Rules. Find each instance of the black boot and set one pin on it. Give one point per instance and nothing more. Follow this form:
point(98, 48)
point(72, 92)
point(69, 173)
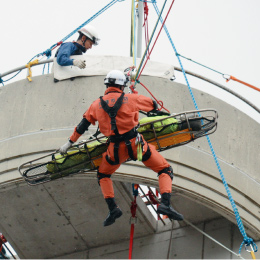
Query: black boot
point(166, 209)
point(114, 212)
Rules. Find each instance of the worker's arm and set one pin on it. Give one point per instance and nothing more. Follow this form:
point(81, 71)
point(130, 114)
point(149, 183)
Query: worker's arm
point(64, 53)
point(146, 104)
point(150, 106)
point(78, 131)
point(156, 112)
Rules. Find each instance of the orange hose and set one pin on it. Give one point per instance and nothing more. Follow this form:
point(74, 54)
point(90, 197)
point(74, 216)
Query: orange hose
point(240, 81)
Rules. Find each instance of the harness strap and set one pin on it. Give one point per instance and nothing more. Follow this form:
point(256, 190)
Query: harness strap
point(126, 136)
point(116, 148)
point(147, 155)
point(117, 140)
point(112, 111)
point(130, 150)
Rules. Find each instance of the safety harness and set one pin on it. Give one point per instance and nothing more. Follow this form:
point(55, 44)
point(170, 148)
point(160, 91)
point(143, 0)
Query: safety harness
point(117, 138)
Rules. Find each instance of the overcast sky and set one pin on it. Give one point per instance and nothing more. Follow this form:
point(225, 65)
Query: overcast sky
point(221, 34)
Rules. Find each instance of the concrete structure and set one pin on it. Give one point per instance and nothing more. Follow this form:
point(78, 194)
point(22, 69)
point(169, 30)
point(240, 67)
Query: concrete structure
point(63, 218)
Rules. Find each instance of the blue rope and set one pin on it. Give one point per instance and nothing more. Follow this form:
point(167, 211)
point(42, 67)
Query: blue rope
point(1, 81)
point(47, 53)
point(247, 241)
point(11, 77)
point(147, 47)
point(145, 1)
point(18, 71)
point(48, 67)
point(82, 25)
point(200, 64)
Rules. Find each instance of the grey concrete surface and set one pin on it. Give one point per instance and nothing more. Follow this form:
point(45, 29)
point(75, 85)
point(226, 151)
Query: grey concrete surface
point(64, 217)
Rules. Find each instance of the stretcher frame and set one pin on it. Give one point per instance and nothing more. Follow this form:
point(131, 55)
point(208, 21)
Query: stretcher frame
point(32, 174)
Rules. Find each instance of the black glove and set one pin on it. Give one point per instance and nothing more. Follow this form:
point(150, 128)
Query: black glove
point(157, 113)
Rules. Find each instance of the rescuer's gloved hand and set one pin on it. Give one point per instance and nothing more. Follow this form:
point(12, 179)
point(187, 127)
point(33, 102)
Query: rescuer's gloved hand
point(64, 148)
point(79, 63)
point(157, 113)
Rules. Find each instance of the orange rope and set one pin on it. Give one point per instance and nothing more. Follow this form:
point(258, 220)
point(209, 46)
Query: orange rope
point(240, 81)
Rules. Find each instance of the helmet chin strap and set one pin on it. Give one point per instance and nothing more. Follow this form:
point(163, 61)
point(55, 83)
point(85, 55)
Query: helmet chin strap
point(83, 42)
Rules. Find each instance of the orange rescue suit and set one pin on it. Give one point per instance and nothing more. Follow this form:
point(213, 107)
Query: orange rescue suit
point(127, 118)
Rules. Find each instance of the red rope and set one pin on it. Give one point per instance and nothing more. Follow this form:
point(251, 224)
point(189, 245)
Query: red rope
point(156, 39)
point(132, 87)
point(133, 212)
point(145, 25)
point(152, 198)
point(157, 194)
point(131, 240)
point(2, 241)
point(58, 43)
point(159, 102)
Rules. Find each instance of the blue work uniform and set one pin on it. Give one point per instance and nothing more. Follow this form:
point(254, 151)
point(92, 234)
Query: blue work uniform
point(66, 50)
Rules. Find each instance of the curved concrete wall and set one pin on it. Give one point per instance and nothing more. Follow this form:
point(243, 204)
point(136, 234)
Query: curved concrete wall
point(39, 116)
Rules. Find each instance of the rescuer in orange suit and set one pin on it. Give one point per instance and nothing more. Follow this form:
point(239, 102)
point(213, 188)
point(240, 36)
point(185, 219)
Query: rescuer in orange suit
point(117, 114)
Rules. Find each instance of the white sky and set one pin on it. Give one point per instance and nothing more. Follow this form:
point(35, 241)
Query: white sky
point(221, 34)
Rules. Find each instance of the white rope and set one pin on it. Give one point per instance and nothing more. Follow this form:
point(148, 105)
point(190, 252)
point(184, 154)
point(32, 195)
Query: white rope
point(214, 240)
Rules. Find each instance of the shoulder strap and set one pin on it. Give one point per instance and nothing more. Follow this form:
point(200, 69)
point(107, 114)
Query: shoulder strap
point(112, 111)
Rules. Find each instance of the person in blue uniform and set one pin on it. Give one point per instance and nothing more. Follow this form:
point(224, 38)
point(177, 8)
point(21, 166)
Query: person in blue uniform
point(88, 37)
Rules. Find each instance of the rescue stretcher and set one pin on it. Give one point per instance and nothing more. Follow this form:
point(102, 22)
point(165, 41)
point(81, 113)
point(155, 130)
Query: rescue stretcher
point(164, 132)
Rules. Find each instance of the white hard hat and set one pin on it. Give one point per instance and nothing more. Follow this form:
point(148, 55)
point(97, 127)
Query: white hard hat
point(115, 77)
point(91, 33)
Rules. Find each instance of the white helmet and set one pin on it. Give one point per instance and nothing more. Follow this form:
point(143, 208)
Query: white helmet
point(91, 33)
point(115, 77)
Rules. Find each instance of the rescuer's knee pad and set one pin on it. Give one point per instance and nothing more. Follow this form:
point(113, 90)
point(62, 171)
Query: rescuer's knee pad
point(101, 176)
point(167, 170)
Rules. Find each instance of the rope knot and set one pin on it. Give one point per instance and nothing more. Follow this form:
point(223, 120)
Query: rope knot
point(146, 11)
point(132, 87)
point(248, 241)
point(47, 53)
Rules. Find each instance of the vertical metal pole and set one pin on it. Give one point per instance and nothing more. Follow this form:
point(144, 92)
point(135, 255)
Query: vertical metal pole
point(131, 31)
point(140, 17)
